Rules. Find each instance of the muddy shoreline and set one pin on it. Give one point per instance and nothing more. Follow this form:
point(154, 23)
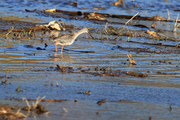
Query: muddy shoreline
point(93, 74)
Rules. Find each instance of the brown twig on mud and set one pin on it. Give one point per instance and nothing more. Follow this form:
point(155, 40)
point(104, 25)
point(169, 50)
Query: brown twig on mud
point(128, 22)
point(176, 23)
point(131, 59)
point(12, 28)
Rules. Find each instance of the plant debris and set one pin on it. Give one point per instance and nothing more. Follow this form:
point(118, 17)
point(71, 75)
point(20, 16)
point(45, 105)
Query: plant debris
point(35, 106)
point(9, 114)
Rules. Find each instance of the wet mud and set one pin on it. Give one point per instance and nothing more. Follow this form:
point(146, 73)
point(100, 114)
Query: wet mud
point(130, 70)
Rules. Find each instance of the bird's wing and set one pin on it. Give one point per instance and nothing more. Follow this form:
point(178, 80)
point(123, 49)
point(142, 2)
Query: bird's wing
point(63, 39)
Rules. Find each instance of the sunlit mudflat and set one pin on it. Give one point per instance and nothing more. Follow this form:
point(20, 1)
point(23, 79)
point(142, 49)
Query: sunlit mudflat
point(155, 96)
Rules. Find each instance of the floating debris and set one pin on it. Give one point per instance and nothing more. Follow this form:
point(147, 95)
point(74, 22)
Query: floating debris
point(55, 25)
point(153, 26)
point(101, 101)
point(93, 16)
point(118, 2)
point(152, 33)
point(136, 74)
point(75, 4)
point(75, 100)
point(141, 26)
point(158, 18)
point(19, 89)
point(30, 10)
point(50, 10)
point(86, 93)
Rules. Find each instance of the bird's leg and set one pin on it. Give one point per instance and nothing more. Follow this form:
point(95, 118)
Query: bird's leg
point(55, 49)
point(55, 54)
point(62, 50)
point(56, 46)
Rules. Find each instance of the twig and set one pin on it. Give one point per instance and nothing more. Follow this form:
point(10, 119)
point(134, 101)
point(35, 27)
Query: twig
point(65, 110)
point(29, 34)
point(106, 28)
point(176, 23)
point(29, 106)
point(98, 10)
point(6, 75)
point(57, 84)
point(38, 100)
point(131, 18)
point(168, 14)
point(98, 112)
point(12, 28)
point(162, 34)
point(35, 104)
point(131, 59)
point(5, 78)
point(20, 114)
point(129, 21)
point(18, 104)
point(46, 113)
point(48, 103)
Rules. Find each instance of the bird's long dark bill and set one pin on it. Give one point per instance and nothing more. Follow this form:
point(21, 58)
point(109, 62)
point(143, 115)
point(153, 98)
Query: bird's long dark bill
point(91, 35)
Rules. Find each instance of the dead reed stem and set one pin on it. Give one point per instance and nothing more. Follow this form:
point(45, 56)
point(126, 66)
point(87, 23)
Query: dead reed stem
point(176, 23)
point(48, 103)
point(6, 75)
point(105, 28)
point(168, 14)
point(37, 101)
point(65, 110)
point(12, 28)
point(29, 106)
point(128, 21)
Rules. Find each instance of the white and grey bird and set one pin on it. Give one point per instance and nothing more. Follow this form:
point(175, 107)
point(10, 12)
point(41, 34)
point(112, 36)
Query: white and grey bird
point(68, 39)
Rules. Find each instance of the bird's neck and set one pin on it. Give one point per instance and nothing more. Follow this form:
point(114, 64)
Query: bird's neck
point(78, 33)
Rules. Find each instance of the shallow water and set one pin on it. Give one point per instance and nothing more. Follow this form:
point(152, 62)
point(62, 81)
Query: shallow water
point(30, 69)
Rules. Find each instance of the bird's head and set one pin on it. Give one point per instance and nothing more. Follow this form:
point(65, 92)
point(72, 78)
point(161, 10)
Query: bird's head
point(87, 31)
